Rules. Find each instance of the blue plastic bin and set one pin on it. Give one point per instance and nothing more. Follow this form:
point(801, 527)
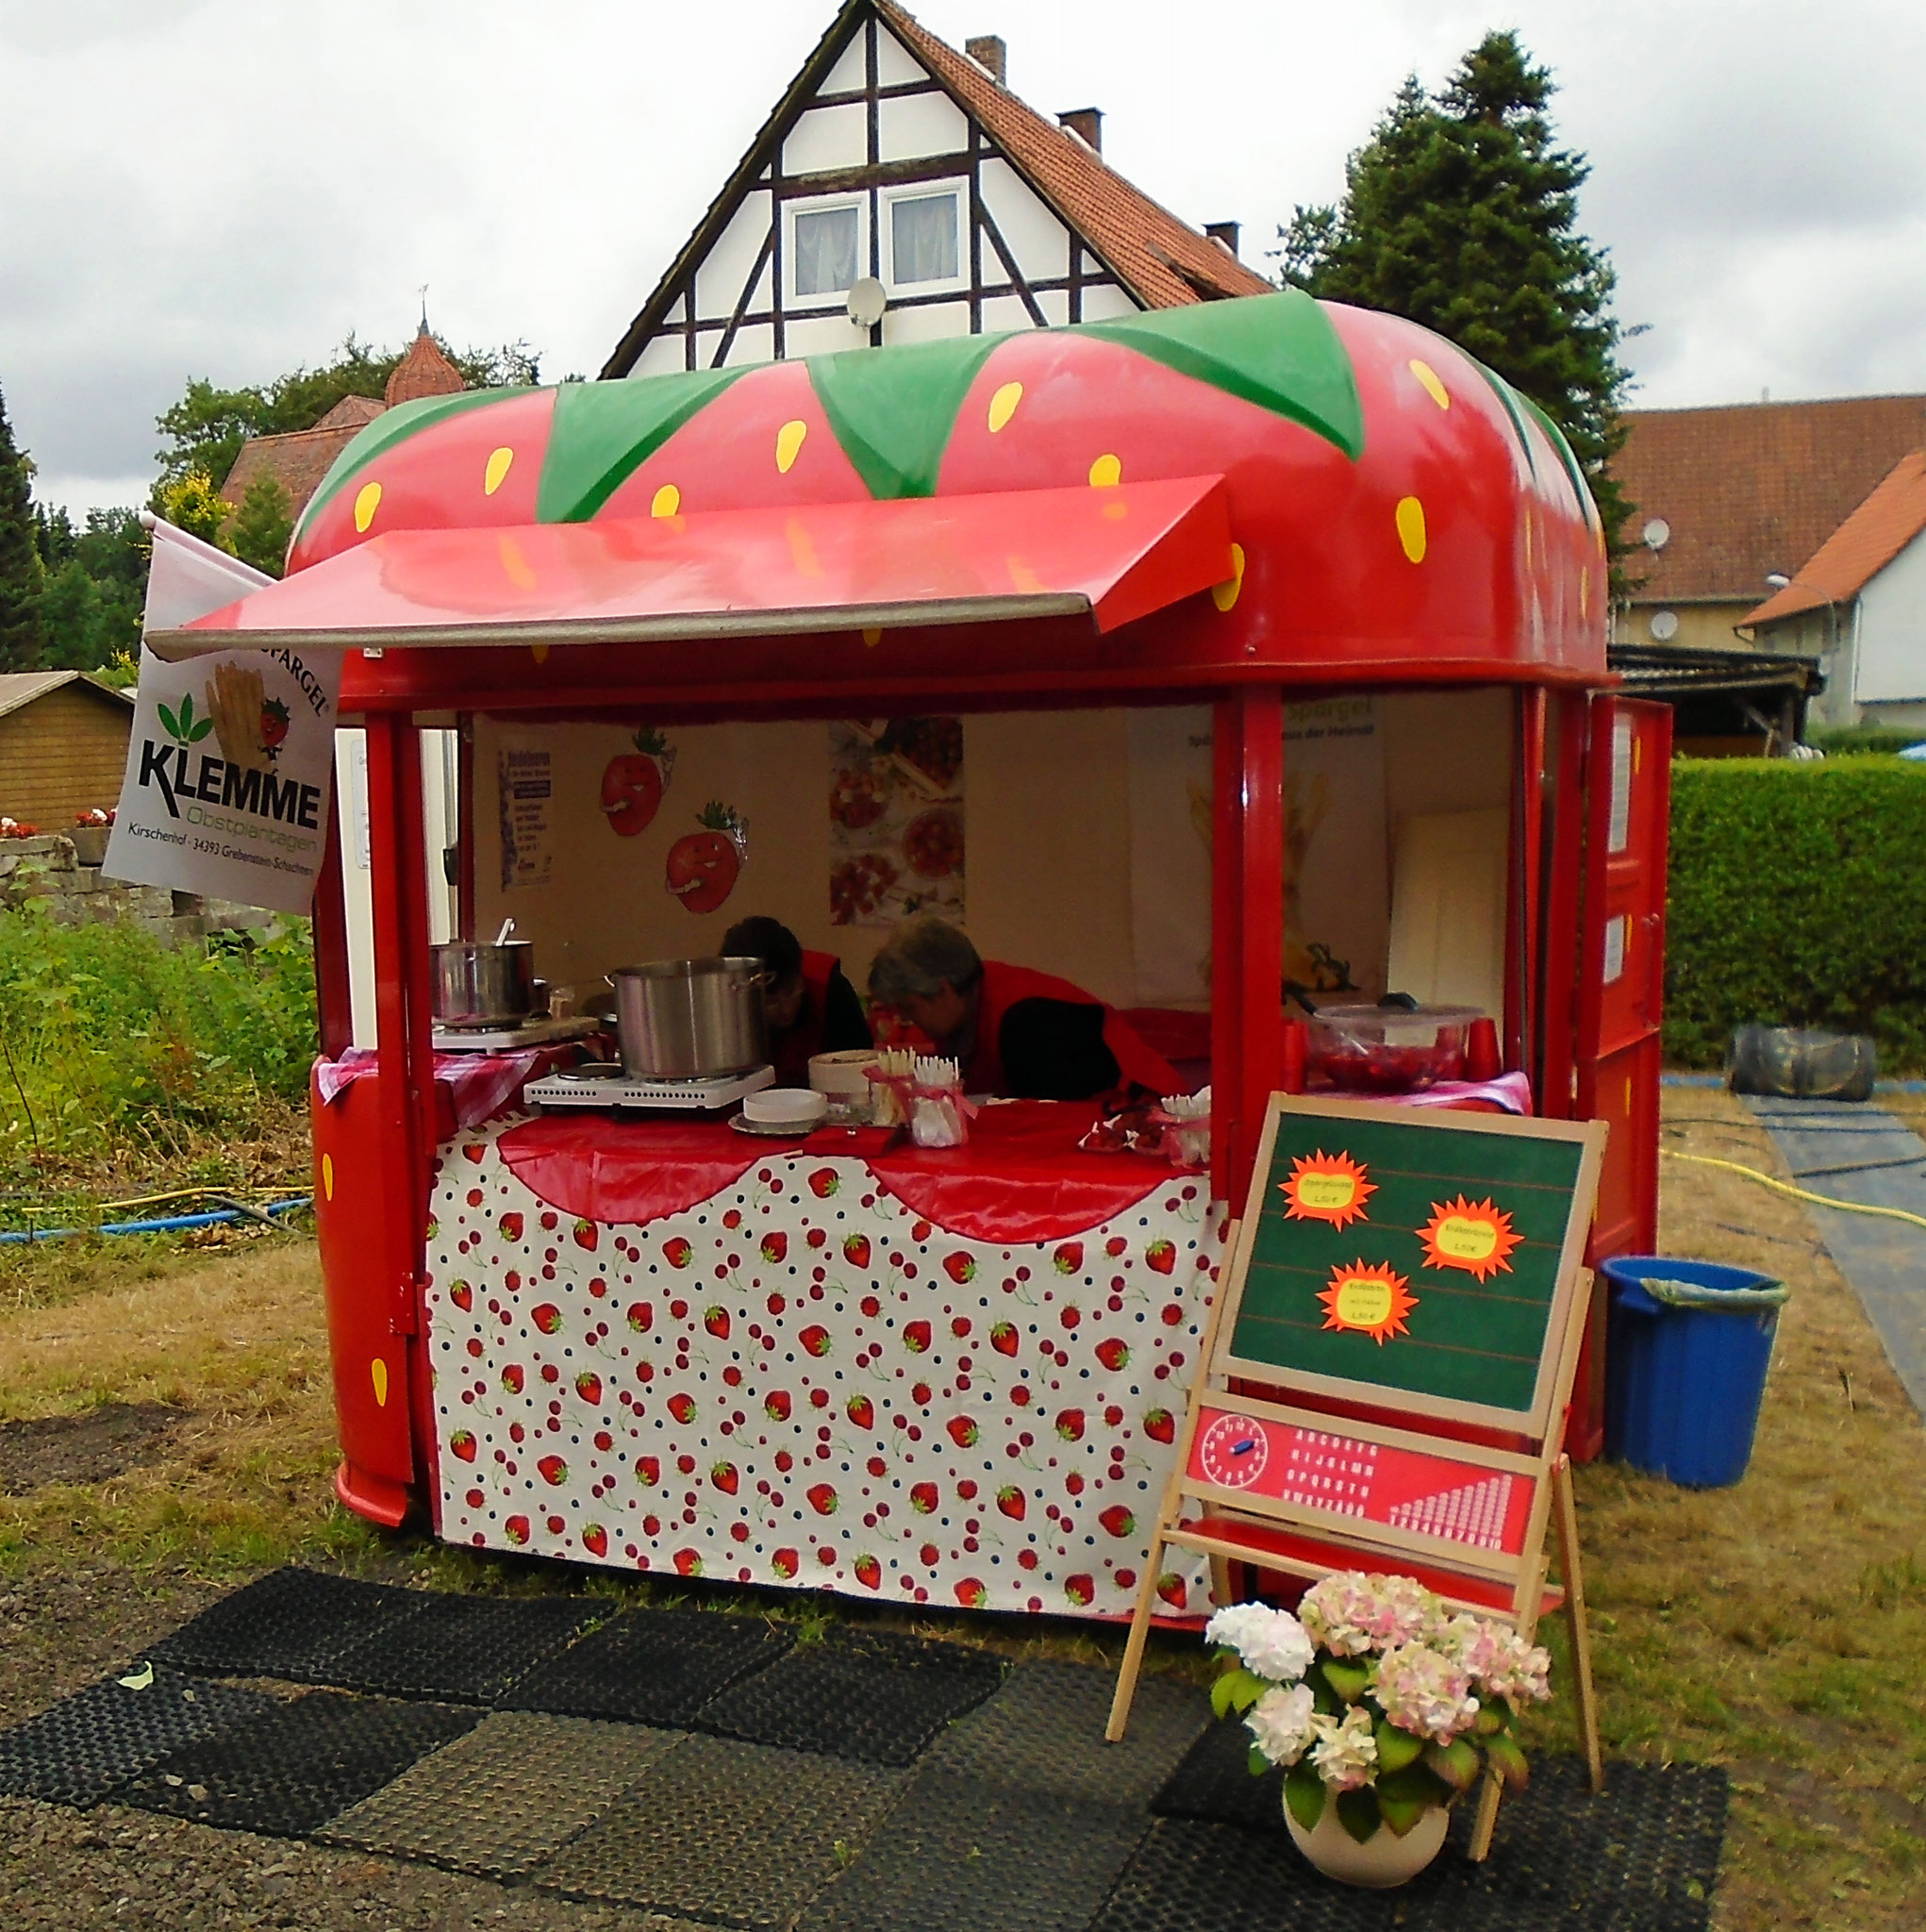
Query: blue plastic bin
point(1684, 1385)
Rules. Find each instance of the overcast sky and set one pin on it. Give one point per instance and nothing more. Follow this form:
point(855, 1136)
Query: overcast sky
point(225, 188)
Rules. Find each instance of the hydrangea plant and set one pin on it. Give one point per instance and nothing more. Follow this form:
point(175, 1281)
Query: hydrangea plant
point(1375, 1697)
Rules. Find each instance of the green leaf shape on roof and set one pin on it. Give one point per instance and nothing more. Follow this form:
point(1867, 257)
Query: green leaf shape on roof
point(392, 426)
point(1280, 352)
point(1556, 435)
point(892, 412)
point(603, 431)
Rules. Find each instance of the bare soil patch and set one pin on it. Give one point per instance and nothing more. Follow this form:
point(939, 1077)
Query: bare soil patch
point(94, 1447)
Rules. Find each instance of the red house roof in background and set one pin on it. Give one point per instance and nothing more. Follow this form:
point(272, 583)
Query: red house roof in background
point(1164, 261)
point(424, 371)
point(1860, 548)
point(1752, 488)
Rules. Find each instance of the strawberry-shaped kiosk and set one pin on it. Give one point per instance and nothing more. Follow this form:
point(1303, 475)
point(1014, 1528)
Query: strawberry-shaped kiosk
point(1115, 571)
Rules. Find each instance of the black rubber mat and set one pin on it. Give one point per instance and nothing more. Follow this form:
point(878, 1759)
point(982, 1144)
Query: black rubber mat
point(466, 1649)
point(1043, 1732)
point(961, 1856)
point(81, 1749)
point(289, 1770)
point(289, 1624)
point(732, 1834)
point(506, 1796)
point(1641, 1857)
point(651, 1667)
point(1214, 1783)
point(865, 1694)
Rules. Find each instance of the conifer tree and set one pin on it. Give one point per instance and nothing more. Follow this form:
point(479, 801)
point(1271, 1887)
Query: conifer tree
point(1460, 213)
point(262, 526)
point(20, 562)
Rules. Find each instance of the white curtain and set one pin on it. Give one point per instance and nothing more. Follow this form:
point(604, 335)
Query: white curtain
point(923, 239)
point(825, 244)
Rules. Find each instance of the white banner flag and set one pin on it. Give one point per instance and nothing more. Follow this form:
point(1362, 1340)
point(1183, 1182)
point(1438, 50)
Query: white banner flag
point(230, 766)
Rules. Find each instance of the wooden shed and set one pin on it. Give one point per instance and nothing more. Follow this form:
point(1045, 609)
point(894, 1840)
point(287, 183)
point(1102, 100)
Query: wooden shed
point(63, 746)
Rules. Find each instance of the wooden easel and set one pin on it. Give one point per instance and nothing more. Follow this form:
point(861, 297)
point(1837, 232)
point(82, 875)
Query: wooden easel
point(1326, 1462)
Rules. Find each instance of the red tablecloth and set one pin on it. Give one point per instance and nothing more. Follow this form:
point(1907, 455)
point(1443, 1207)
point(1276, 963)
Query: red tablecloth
point(1021, 1178)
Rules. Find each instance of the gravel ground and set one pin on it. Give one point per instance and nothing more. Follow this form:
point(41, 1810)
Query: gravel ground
point(61, 1631)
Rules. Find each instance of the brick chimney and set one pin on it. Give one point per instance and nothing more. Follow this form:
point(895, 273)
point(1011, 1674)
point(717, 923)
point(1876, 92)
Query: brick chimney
point(1087, 123)
point(1225, 234)
point(990, 53)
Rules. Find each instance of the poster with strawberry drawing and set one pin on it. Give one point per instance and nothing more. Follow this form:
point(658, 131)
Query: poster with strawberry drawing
point(895, 820)
point(801, 1380)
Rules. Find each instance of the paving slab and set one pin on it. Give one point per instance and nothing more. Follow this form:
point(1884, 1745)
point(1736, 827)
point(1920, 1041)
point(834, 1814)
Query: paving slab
point(506, 1797)
point(734, 1834)
point(287, 1624)
point(1884, 1259)
point(462, 1649)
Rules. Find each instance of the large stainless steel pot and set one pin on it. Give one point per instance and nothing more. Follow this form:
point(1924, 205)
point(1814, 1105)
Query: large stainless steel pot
point(691, 1019)
point(482, 984)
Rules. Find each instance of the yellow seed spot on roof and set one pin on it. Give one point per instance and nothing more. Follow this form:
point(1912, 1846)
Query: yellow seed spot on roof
point(377, 1374)
point(789, 441)
point(1105, 473)
point(666, 501)
point(1584, 591)
point(1003, 406)
point(1411, 528)
point(1224, 596)
point(873, 638)
point(540, 653)
point(327, 1176)
point(498, 468)
point(366, 504)
point(1433, 387)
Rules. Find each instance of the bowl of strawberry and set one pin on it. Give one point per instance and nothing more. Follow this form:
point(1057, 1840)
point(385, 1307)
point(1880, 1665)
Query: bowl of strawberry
point(1397, 1047)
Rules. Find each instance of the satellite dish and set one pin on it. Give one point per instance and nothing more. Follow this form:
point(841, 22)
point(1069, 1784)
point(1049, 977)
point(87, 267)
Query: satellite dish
point(867, 302)
point(1656, 534)
point(1665, 625)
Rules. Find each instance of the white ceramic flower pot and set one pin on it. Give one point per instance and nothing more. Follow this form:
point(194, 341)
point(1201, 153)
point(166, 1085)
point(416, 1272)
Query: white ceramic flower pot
point(1383, 1860)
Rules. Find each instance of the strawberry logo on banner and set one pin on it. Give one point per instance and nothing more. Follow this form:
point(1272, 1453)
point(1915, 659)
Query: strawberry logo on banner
point(230, 766)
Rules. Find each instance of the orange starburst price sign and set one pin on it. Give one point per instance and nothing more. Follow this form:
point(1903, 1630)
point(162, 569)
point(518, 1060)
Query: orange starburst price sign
point(1477, 1236)
point(1368, 1298)
point(1326, 1186)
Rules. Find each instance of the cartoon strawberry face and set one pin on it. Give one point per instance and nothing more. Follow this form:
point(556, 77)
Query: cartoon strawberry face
point(462, 1445)
point(632, 785)
point(856, 1250)
point(702, 867)
point(869, 1572)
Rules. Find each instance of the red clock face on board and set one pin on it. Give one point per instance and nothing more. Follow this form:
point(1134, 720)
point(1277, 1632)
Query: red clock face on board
point(1233, 1450)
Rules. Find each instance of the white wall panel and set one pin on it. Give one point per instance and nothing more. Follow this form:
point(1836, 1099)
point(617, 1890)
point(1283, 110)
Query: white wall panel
point(821, 335)
point(755, 343)
point(1102, 305)
point(719, 279)
point(1038, 241)
point(919, 124)
point(662, 356)
point(896, 66)
point(846, 76)
point(940, 319)
point(1003, 315)
point(1892, 630)
point(828, 137)
point(1054, 304)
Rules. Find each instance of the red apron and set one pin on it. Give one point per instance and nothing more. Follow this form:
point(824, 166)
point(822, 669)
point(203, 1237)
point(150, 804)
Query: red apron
point(1003, 986)
point(792, 1053)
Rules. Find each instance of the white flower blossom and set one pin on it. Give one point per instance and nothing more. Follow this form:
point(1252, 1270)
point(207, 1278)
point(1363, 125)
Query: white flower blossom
point(1280, 1721)
point(1346, 1752)
point(1271, 1643)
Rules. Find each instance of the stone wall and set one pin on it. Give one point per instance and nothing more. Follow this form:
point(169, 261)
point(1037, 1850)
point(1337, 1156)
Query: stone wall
point(47, 871)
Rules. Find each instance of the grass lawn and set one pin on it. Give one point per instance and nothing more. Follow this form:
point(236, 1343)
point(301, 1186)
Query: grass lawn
point(1778, 1627)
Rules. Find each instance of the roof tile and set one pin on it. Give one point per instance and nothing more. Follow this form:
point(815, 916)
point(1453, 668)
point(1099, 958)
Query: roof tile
point(1860, 548)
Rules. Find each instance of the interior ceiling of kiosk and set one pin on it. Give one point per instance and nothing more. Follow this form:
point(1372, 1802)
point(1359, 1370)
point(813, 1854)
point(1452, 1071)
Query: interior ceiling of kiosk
point(1111, 554)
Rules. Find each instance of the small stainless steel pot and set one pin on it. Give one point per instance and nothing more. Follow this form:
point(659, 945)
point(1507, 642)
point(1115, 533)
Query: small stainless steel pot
point(482, 984)
point(691, 1019)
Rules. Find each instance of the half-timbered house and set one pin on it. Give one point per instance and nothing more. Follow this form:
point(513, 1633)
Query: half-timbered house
point(901, 191)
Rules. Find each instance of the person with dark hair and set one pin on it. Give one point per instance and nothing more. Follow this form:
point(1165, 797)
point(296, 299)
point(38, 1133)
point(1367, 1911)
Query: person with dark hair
point(1023, 1035)
point(811, 1006)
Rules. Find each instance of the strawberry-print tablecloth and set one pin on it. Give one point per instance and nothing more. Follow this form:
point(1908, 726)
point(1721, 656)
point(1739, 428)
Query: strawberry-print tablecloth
point(800, 1380)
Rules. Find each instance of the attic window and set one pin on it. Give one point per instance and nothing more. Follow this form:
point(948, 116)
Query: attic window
point(825, 241)
point(923, 246)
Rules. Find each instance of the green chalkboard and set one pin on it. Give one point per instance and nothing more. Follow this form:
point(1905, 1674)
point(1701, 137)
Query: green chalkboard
point(1425, 1259)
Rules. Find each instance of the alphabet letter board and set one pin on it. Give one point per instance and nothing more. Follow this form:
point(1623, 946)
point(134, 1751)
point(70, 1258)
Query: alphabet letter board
point(1413, 1257)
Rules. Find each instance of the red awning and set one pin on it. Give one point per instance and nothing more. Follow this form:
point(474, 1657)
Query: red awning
point(1109, 554)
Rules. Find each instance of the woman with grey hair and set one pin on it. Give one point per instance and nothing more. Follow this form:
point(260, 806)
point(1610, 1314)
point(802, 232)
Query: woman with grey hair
point(1024, 1035)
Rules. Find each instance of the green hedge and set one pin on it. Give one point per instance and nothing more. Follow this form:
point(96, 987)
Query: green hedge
point(1798, 897)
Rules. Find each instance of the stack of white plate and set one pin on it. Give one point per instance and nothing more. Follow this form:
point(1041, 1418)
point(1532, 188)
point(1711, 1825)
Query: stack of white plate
point(784, 1110)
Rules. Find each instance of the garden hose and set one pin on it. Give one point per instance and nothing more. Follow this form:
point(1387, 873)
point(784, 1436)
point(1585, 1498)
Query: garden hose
point(1779, 1187)
point(172, 1224)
